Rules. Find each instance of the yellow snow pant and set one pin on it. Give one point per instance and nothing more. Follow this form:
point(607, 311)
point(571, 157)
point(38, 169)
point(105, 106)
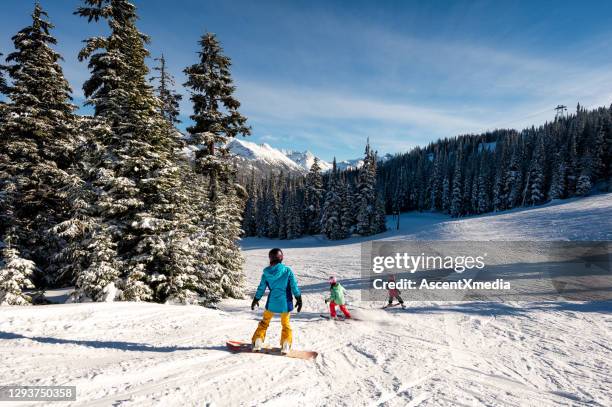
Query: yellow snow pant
point(260, 332)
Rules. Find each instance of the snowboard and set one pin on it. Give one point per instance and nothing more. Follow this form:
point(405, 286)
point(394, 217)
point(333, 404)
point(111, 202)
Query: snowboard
point(238, 346)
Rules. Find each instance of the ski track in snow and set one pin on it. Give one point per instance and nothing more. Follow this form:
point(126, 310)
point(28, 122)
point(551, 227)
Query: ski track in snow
point(431, 354)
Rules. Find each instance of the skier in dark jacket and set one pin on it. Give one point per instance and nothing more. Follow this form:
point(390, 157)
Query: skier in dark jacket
point(281, 282)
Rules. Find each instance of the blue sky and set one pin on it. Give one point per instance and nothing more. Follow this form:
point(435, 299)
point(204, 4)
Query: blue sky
point(325, 75)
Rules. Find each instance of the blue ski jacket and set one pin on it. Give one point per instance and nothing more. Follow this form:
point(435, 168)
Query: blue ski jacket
point(281, 282)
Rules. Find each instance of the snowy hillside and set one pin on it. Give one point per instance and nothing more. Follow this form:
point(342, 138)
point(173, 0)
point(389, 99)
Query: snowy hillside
point(432, 354)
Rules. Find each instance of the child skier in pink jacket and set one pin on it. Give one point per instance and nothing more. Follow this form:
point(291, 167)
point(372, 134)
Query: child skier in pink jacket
point(394, 293)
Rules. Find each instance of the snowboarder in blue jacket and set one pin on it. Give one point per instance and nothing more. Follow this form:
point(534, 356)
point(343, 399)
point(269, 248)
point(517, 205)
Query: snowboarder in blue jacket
point(281, 282)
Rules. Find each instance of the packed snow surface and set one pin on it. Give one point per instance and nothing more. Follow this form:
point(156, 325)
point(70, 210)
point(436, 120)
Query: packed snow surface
point(431, 354)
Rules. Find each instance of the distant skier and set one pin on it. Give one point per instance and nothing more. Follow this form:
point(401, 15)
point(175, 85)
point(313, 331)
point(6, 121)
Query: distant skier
point(394, 293)
point(337, 298)
point(281, 282)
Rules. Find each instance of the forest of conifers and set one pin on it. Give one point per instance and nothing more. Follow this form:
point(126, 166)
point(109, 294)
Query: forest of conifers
point(503, 169)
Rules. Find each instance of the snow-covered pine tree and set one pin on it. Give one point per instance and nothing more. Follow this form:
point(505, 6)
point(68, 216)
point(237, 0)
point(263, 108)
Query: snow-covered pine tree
point(37, 146)
point(584, 183)
point(313, 195)
point(272, 213)
point(216, 121)
point(446, 195)
point(499, 198)
point(331, 215)
point(98, 281)
point(557, 183)
point(572, 171)
point(514, 179)
point(456, 199)
point(474, 194)
point(534, 183)
point(260, 216)
point(598, 165)
point(168, 97)
point(368, 215)
point(379, 222)
point(347, 216)
point(216, 116)
point(435, 185)
point(283, 214)
point(249, 220)
point(15, 276)
point(142, 201)
point(224, 231)
point(484, 200)
point(294, 218)
point(3, 88)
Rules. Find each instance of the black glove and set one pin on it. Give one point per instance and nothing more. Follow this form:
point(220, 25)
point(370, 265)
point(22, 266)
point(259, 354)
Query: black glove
point(298, 303)
point(326, 300)
point(254, 303)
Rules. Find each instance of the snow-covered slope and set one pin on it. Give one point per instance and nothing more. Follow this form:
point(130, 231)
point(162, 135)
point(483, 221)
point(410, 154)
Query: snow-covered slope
point(262, 158)
point(432, 354)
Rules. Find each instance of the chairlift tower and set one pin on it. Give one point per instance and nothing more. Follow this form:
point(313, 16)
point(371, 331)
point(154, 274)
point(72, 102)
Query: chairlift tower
point(561, 111)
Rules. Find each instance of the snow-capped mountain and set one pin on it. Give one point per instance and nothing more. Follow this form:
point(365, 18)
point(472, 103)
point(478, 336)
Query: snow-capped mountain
point(262, 158)
point(349, 164)
point(305, 159)
point(265, 159)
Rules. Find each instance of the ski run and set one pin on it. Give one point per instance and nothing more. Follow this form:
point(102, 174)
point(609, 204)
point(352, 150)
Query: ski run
point(430, 354)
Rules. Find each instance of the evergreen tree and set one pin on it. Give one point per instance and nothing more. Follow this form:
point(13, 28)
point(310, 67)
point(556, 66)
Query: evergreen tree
point(584, 184)
point(294, 218)
point(216, 121)
point(446, 195)
point(499, 197)
point(534, 185)
point(168, 98)
point(3, 87)
point(37, 145)
point(249, 220)
point(436, 182)
point(272, 213)
point(216, 116)
point(514, 180)
point(313, 195)
point(15, 275)
point(484, 201)
point(368, 215)
point(331, 217)
point(262, 209)
point(141, 205)
point(456, 206)
point(598, 166)
point(224, 230)
point(571, 166)
point(347, 216)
